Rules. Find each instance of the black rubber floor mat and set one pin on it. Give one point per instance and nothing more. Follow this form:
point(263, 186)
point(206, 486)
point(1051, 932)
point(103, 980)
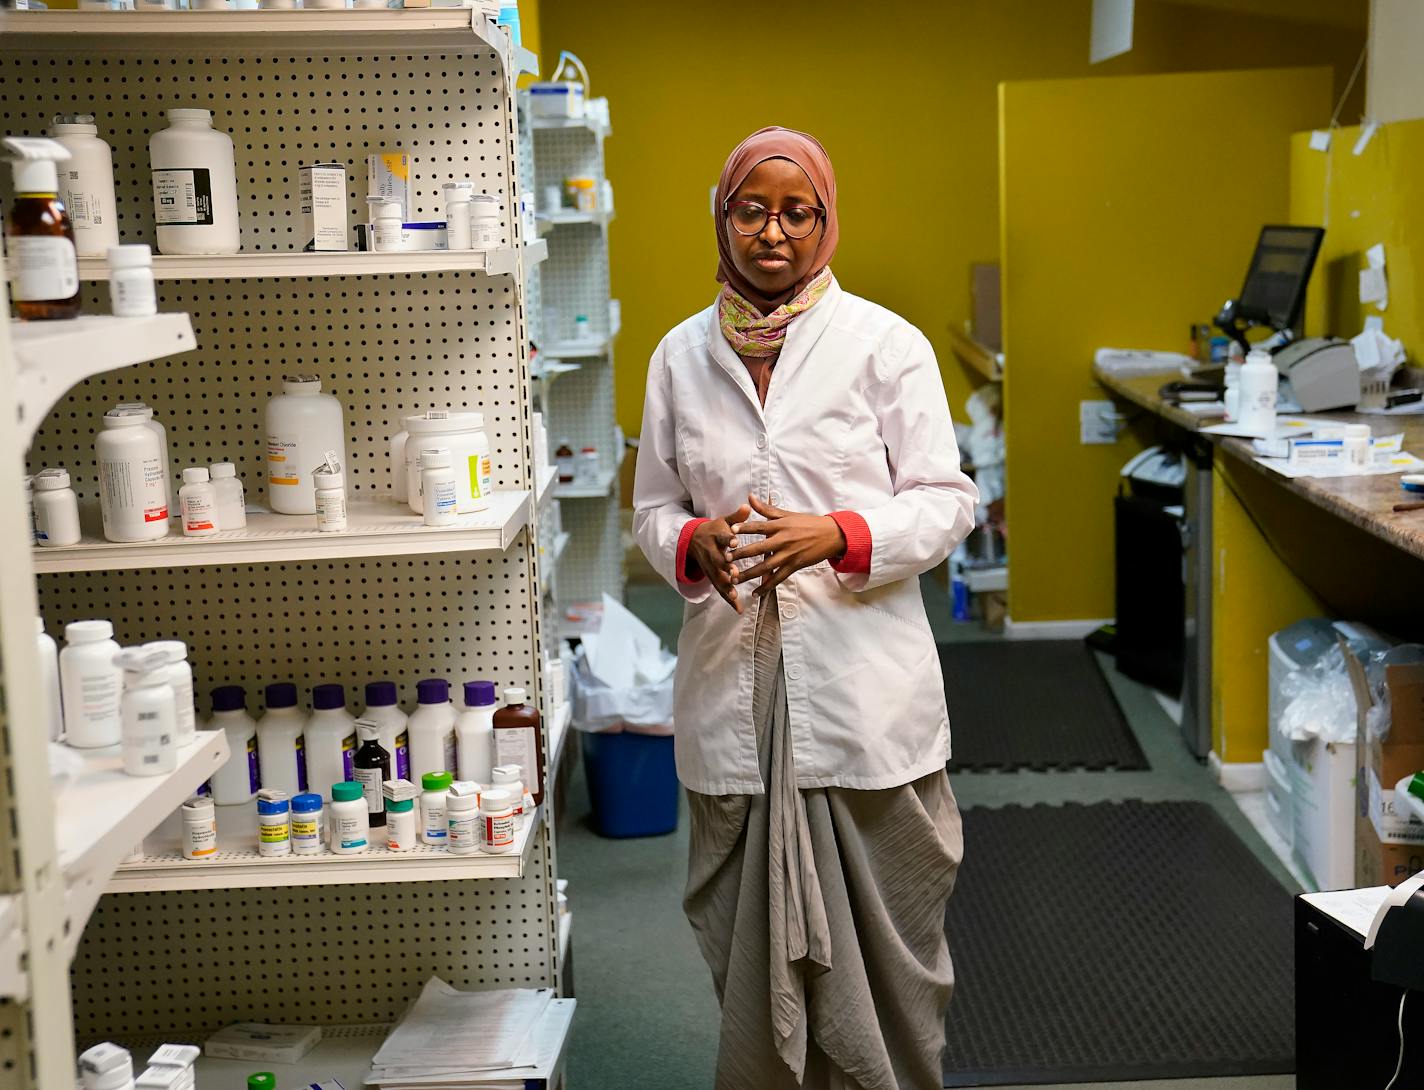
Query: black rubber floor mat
point(1035, 704)
point(1116, 941)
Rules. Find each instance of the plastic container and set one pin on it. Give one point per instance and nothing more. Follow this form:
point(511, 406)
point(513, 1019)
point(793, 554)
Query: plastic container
point(350, 826)
point(231, 497)
point(302, 425)
point(155, 425)
point(149, 746)
point(632, 783)
point(463, 435)
point(307, 838)
point(237, 781)
point(198, 503)
point(497, 822)
point(474, 731)
point(133, 478)
point(330, 496)
point(56, 509)
point(200, 828)
point(330, 740)
point(274, 824)
point(383, 707)
point(132, 292)
point(1257, 396)
point(400, 825)
point(457, 215)
point(86, 184)
point(49, 680)
point(281, 732)
point(180, 678)
point(484, 222)
point(508, 778)
point(1358, 439)
point(106, 1067)
point(519, 740)
point(439, 497)
point(434, 824)
point(92, 685)
point(581, 194)
point(194, 186)
point(462, 817)
point(1232, 396)
point(431, 730)
point(386, 224)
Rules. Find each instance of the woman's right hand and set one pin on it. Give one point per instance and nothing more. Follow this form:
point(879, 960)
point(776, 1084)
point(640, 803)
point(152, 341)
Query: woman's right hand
point(711, 549)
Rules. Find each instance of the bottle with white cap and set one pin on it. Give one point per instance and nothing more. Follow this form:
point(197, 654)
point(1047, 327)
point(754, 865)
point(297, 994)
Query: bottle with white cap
point(92, 685)
point(1257, 394)
point(49, 680)
point(194, 186)
point(56, 509)
point(133, 478)
point(155, 425)
point(132, 293)
point(302, 425)
point(198, 503)
point(149, 720)
point(180, 677)
point(1356, 447)
point(39, 236)
point(329, 483)
point(86, 184)
point(440, 498)
point(232, 500)
point(106, 1067)
point(457, 214)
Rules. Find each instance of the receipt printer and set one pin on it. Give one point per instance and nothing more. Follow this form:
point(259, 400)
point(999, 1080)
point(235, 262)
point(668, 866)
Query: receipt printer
point(1322, 373)
point(1397, 936)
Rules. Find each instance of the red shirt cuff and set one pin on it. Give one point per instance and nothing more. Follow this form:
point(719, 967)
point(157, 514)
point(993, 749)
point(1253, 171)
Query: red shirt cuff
point(688, 570)
point(856, 560)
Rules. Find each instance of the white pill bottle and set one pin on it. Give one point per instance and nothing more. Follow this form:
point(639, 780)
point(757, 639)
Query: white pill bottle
point(133, 480)
point(86, 184)
point(303, 424)
point(194, 186)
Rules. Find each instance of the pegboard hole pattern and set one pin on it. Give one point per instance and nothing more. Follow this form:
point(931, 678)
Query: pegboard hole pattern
point(447, 110)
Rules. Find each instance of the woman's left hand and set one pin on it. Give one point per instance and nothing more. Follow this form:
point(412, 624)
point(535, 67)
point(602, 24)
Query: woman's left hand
point(791, 541)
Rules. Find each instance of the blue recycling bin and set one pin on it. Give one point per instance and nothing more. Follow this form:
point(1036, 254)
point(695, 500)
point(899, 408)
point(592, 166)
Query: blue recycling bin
point(632, 782)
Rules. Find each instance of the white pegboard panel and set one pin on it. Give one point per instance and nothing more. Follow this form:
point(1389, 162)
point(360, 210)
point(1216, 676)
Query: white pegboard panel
point(533, 276)
point(566, 153)
point(581, 408)
point(16, 1070)
point(192, 962)
point(592, 564)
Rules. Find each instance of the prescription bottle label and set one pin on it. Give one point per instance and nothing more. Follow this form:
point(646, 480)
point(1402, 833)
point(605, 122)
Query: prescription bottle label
point(306, 834)
point(274, 833)
point(183, 198)
point(480, 486)
point(46, 268)
point(498, 832)
point(281, 469)
point(348, 757)
point(202, 839)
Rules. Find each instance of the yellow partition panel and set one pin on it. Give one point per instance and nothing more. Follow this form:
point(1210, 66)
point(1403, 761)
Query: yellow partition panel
point(1128, 209)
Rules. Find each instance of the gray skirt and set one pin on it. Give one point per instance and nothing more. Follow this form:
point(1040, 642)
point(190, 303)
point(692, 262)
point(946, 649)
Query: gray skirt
point(821, 916)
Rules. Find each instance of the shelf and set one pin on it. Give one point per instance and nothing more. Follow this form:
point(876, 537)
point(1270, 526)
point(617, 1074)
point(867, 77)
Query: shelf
point(238, 866)
point(377, 528)
point(546, 124)
point(276, 264)
point(546, 484)
point(566, 931)
point(559, 735)
point(549, 220)
point(54, 357)
point(552, 369)
point(526, 61)
point(577, 350)
point(104, 813)
point(282, 32)
point(978, 357)
point(551, 560)
point(577, 491)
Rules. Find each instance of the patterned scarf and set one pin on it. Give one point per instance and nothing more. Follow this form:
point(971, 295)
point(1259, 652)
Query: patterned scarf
point(761, 336)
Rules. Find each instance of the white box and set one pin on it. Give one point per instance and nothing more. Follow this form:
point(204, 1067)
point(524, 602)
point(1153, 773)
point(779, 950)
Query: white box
point(1323, 790)
point(563, 100)
point(262, 1043)
point(388, 175)
point(323, 195)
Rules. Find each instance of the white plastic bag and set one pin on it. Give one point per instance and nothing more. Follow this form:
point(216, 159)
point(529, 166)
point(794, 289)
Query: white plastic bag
point(623, 677)
point(1319, 701)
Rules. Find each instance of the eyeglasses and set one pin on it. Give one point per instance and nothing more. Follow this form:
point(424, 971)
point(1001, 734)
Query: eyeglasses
point(750, 218)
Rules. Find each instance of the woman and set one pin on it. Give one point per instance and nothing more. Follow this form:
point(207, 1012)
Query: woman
point(796, 439)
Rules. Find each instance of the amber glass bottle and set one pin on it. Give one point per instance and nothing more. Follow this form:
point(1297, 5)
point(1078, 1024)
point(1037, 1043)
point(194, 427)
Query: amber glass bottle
point(40, 240)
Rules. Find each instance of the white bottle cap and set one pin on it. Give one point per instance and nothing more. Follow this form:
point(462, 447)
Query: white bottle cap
point(195, 475)
point(124, 418)
point(88, 631)
point(438, 458)
point(198, 808)
point(503, 774)
point(495, 802)
point(106, 1067)
point(368, 730)
point(462, 795)
point(1352, 431)
point(133, 255)
point(142, 666)
point(72, 123)
point(324, 479)
point(140, 407)
point(173, 650)
point(514, 696)
point(36, 176)
point(48, 480)
point(189, 114)
point(219, 471)
point(301, 384)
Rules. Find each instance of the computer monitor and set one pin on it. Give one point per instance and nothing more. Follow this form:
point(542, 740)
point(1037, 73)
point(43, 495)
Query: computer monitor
point(1274, 292)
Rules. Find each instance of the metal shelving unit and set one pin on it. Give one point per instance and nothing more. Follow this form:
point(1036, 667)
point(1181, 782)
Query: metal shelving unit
point(390, 334)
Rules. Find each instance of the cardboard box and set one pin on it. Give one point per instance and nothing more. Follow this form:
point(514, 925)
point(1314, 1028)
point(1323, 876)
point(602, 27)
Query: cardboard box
point(323, 197)
point(984, 304)
point(388, 175)
point(1388, 849)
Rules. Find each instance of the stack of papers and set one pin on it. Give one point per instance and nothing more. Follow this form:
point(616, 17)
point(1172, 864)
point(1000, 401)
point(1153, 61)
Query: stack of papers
point(488, 1040)
point(1136, 361)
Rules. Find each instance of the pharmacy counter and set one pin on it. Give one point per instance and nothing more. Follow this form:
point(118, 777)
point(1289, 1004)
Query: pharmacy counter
point(1364, 502)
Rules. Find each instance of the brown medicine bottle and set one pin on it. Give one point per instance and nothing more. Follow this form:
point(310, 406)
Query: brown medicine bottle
point(40, 238)
point(518, 740)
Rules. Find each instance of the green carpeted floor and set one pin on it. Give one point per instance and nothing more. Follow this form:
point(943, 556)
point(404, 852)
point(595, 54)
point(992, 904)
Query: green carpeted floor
point(647, 1018)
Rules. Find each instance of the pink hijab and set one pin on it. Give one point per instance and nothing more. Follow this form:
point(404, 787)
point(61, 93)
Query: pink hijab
point(806, 152)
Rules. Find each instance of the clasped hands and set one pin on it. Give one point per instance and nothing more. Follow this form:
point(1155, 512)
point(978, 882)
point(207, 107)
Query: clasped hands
point(789, 542)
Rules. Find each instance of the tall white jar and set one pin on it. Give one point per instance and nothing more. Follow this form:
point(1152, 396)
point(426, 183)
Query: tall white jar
point(133, 481)
point(194, 186)
point(156, 426)
point(92, 685)
point(302, 425)
point(464, 436)
point(86, 184)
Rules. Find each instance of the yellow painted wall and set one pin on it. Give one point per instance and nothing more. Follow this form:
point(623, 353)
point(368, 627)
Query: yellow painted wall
point(1122, 223)
point(903, 93)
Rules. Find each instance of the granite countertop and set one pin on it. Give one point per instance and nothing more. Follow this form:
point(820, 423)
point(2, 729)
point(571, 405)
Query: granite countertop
point(1365, 502)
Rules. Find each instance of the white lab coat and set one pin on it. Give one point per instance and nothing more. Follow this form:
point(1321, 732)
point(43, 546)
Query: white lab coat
point(855, 419)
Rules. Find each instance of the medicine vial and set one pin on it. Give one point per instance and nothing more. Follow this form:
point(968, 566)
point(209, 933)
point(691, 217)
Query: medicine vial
point(1256, 395)
point(519, 740)
point(330, 485)
point(200, 828)
point(180, 678)
point(132, 293)
point(106, 1067)
point(133, 478)
point(129, 408)
point(194, 186)
point(400, 824)
point(434, 822)
point(350, 819)
point(1356, 447)
point(149, 721)
point(431, 729)
point(92, 685)
point(372, 765)
point(586, 471)
point(303, 424)
point(39, 236)
point(440, 496)
point(198, 504)
point(231, 498)
point(564, 458)
point(307, 838)
point(330, 740)
point(237, 781)
point(387, 228)
point(457, 215)
point(484, 222)
point(474, 731)
point(56, 509)
point(382, 707)
point(281, 757)
point(496, 822)
point(462, 816)
point(49, 680)
point(274, 824)
point(507, 778)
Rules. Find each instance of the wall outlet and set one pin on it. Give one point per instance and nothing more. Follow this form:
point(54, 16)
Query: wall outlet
point(1098, 423)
